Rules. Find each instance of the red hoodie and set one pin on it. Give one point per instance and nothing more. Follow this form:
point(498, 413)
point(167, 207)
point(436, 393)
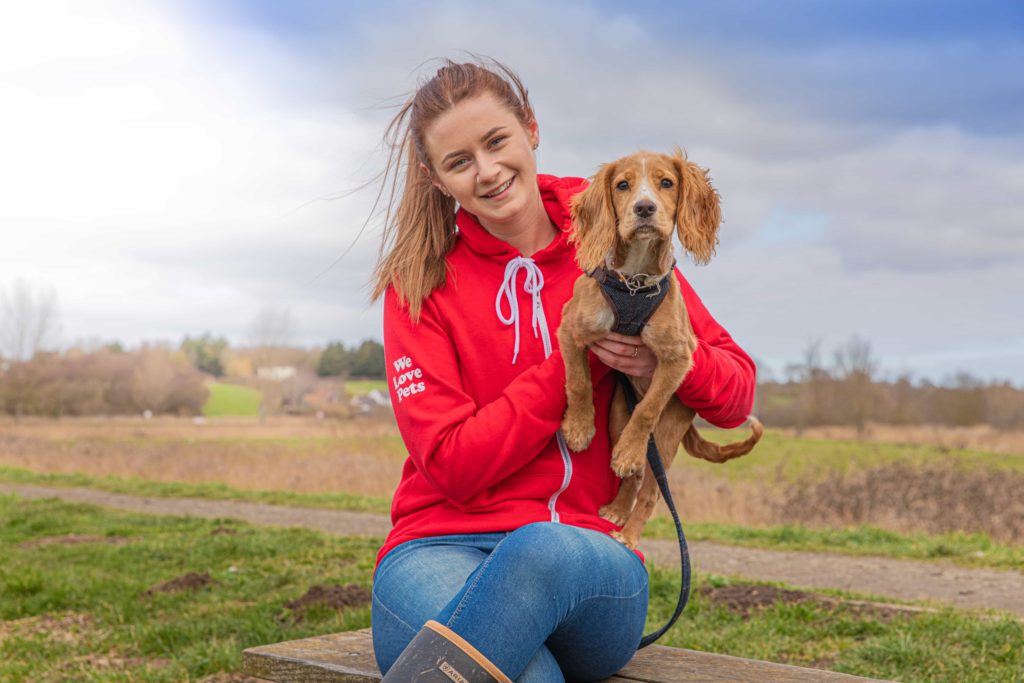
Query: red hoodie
point(480, 428)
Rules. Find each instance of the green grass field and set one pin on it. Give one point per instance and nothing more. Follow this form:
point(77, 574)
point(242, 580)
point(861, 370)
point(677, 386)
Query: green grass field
point(100, 608)
point(787, 458)
point(231, 400)
point(359, 387)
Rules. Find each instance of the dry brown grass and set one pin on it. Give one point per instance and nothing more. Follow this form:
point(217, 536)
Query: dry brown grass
point(978, 437)
point(365, 457)
point(936, 498)
point(303, 455)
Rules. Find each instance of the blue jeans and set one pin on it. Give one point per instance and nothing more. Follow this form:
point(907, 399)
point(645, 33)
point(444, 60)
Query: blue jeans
point(546, 603)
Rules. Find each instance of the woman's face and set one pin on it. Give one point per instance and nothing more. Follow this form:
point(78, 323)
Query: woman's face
point(483, 156)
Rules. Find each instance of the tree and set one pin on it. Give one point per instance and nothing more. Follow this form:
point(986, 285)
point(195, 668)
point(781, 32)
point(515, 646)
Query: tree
point(28, 320)
point(812, 378)
point(368, 360)
point(271, 330)
point(205, 353)
point(335, 360)
point(856, 368)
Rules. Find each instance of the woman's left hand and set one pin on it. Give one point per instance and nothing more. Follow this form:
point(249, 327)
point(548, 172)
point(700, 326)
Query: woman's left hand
point(625, 354)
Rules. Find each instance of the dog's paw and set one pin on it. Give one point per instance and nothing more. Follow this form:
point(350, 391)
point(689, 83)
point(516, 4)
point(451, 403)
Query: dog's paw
point(614, 514)
point(578, 431)
point(621, 538)
point(628, 458)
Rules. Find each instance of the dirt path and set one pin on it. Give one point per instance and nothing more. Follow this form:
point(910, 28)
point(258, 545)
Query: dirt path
point(942, 582)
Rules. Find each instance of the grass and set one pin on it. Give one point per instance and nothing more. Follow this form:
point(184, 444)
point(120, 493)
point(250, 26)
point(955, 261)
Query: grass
point(144, 487)
point(359, 387)
point(80, 611)
point(102, 626)
point(788, 458)
point(231, 400)
point(972, 550)
point(934, 647)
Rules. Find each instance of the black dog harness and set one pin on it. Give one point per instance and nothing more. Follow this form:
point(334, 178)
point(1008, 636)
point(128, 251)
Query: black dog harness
point(630, 310)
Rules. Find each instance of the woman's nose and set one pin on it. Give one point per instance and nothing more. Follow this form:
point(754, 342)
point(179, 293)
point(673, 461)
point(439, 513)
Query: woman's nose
point(486, 170)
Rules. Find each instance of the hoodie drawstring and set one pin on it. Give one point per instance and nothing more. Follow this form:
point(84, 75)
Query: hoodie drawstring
point(532, 285)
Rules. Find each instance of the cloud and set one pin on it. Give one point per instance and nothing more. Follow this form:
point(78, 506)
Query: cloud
point(164, 163)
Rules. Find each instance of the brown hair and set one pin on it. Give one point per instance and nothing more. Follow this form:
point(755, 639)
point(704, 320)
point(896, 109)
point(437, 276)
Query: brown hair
point(419, 224)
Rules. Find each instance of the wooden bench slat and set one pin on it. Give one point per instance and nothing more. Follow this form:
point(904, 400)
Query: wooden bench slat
point(348, 658)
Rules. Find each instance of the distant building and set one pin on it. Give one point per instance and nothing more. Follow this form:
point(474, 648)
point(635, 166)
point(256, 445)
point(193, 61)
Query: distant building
point(374, 399)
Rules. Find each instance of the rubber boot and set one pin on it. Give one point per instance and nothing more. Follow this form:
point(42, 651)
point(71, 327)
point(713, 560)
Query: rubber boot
point(439, 655)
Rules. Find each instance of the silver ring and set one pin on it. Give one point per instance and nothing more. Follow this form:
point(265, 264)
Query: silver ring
point(636, 351)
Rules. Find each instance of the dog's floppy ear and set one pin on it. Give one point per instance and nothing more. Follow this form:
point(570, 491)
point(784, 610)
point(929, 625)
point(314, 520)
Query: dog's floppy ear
point(698, 211)
point(594, 221)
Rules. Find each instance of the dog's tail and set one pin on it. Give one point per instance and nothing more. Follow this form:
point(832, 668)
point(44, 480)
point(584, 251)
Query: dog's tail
point(698, 447)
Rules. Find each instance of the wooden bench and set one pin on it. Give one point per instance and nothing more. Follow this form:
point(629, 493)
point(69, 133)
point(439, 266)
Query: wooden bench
point(348, 658)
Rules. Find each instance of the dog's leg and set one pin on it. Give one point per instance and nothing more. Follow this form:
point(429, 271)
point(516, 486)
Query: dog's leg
point(630, 452)
point(578, 423)
point(585, 319)
point(648, 497)
point(619, 510)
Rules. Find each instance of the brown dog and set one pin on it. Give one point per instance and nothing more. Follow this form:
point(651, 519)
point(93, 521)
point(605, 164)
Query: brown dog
point(623, 224)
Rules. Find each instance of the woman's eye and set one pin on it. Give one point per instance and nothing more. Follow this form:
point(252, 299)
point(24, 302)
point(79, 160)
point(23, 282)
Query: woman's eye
point(498, 140)
point(666, 183)
point(457, 163)
point(623, 185)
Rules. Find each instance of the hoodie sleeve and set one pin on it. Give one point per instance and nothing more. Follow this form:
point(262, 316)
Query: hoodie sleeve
point(720, 387)
point(460, 447)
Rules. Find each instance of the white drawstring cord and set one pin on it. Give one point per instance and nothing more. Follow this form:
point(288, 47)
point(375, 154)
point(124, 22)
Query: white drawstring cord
point(532, 285)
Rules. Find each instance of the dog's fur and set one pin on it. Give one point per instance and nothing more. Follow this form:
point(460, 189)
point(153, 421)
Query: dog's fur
point(614, 225)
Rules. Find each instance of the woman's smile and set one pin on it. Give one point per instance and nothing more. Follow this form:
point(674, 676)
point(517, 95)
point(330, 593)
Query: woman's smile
point(501, 191)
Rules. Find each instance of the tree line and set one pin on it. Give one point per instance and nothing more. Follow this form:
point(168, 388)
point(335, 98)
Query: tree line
point(849, 392)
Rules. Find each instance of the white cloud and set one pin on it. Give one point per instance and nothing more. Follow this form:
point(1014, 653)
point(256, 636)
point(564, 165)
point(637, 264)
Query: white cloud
point(153, 163)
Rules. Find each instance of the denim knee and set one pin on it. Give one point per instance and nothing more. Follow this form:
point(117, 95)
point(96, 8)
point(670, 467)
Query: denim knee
point(556, 554)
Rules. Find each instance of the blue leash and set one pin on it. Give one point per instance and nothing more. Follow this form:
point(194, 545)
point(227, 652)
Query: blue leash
point(654, 460)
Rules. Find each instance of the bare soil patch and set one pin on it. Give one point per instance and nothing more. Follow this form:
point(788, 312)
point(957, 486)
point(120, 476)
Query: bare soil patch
point(743, 599)
point(66, 629)
point(333, 597)
point(73, 539)
point(230, 677)
point(191, 581)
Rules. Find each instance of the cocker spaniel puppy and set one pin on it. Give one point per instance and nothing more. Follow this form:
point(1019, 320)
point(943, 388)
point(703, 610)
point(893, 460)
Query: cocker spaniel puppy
point(623, 224)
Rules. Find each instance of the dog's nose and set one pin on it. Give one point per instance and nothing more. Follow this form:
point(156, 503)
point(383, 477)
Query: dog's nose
point(645, 208)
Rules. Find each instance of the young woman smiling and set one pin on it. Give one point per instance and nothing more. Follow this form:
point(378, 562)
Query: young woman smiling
point(498, 566)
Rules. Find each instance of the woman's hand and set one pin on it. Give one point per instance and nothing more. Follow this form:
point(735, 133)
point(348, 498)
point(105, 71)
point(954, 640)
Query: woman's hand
point(625, 354)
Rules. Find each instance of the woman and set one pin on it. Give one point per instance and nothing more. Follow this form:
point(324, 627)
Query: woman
point(497, 551)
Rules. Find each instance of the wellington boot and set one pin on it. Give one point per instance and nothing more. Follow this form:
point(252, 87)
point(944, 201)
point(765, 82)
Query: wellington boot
point(439, 655)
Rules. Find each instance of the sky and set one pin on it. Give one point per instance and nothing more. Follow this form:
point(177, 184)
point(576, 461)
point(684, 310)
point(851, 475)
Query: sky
point(175, 168)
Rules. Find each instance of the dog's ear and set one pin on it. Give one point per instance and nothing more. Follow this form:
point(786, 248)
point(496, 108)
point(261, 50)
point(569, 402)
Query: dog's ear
point(594, 221)
point(698, 211)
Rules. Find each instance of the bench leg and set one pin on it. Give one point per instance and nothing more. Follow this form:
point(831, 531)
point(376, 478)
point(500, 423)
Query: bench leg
point(439, 655)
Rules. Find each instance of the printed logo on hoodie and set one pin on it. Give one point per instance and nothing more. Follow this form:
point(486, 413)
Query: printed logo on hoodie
point(406, 380)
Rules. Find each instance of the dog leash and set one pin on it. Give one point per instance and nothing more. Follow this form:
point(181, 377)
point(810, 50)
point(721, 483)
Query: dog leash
point(654, 460)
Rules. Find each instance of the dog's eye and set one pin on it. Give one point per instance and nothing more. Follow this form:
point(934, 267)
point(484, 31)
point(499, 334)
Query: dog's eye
point(623, 185)
point(666, 183)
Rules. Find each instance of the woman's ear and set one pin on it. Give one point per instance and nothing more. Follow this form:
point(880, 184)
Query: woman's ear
point(433, 181)
point(594, 220)
point(533, 133)
point(698, 210)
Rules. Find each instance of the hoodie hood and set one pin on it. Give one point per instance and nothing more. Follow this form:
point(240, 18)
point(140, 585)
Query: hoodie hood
point(555, 193)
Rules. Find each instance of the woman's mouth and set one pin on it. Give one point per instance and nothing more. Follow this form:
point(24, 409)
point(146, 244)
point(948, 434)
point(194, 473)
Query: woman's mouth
point(500, 190)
